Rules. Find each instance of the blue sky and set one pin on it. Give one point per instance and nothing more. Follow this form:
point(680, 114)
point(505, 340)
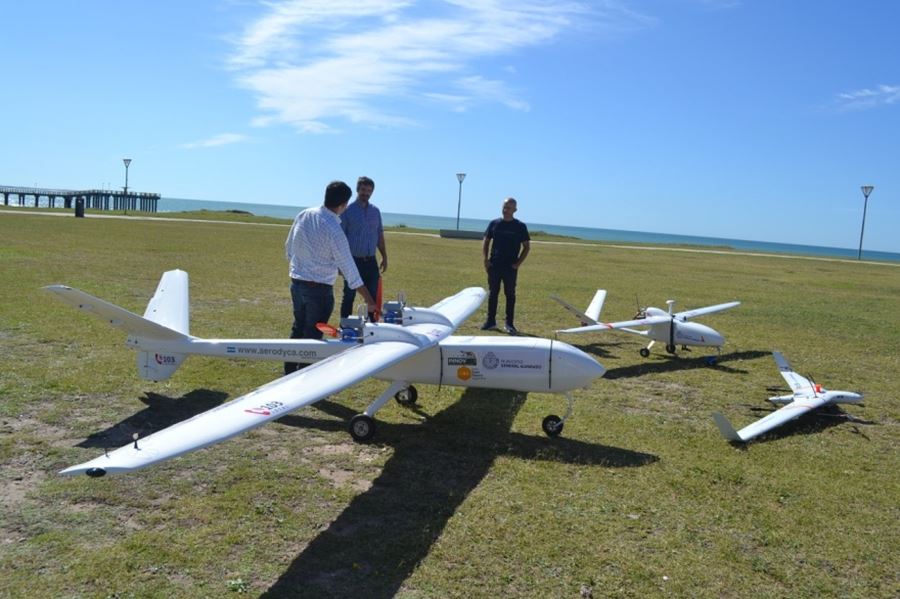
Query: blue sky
point(753, 119)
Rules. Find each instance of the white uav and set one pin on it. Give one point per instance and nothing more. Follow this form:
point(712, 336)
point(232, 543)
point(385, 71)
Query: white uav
point(805, 396)
point(664, 326)
point(416, 347)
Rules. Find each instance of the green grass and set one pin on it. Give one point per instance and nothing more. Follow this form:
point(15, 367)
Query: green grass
point(462, 496)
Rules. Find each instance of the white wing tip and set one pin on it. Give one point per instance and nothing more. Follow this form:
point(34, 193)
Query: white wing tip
point(93, 472)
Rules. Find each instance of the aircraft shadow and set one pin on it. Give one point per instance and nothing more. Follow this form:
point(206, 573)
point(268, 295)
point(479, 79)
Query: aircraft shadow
point(374, 545)
point(810, 423)
point(161, 412)
point(596, 348)
point(669, 363)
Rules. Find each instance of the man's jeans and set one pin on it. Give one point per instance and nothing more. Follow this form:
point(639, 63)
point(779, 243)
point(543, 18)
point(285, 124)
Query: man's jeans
point(507, 275)
point(368, 272)
point(313, 303)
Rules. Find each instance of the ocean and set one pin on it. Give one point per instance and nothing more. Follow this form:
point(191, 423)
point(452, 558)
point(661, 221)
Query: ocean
point(418, 221)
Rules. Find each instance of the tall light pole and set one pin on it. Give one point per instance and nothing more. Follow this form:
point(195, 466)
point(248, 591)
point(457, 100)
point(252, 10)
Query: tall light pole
point(127, 161)
point(459, 177)
point(866, 189)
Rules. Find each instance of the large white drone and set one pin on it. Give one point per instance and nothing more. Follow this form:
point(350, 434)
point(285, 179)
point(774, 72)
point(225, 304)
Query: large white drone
point(664, 326)
point(805, 396)
point(413, 345)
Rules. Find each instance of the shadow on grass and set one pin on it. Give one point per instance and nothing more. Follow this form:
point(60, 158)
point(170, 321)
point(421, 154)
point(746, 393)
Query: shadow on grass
point(669, 363)
point(811, 423)
point(161, 412)
point(598, 349)
point(380, 538)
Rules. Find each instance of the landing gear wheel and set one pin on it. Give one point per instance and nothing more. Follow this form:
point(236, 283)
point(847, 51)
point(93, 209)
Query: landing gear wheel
point(670, 348)
point(407, 397)
point(552, 425)
point(645, 353)
point(362, 428)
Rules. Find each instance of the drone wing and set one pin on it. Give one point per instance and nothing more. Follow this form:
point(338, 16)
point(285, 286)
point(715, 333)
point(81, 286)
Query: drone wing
point(799, 384)
point(625, 324)
point(793, 410)
point(459, 307)
point(269, 402)
point(688, 314)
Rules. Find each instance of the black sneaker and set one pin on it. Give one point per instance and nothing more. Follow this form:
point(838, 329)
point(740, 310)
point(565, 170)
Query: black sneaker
point(489, 326)
point(511, 329)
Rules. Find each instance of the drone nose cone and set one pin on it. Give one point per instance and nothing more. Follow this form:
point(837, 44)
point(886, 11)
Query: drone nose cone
point(703, 335)
point(572, 368)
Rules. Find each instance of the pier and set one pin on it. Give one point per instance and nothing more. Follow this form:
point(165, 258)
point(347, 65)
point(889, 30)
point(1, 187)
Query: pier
point(96, 199)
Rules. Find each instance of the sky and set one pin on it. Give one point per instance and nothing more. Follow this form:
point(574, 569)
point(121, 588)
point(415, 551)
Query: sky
point(744, 119)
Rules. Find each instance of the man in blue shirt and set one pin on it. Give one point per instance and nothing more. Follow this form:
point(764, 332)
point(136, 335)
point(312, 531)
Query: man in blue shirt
point(361, 223)
point(316, 249)
point(503, 240)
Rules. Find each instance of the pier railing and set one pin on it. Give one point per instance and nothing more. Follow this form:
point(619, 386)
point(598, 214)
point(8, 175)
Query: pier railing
point(96, 199)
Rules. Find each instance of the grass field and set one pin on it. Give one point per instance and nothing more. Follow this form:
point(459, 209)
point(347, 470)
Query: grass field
point(462, 496)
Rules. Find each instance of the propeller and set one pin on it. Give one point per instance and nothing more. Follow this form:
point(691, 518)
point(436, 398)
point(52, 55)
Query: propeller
point(327, 329)
point(641, 312)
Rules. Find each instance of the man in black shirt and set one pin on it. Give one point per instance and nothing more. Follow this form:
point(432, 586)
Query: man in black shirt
point(502, 260)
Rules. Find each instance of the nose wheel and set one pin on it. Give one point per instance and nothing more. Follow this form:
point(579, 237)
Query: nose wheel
point(553, 424)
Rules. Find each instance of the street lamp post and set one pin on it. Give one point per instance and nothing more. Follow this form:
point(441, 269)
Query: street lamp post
point(127, 161)
point(866, 189)
point(459, 177)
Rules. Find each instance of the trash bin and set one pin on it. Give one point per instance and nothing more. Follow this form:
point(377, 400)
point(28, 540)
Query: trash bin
point(79, 208)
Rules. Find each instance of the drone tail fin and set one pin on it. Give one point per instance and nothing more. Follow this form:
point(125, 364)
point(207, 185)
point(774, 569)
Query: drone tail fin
point(596, 305)
point(725, 427)
point(166, 320)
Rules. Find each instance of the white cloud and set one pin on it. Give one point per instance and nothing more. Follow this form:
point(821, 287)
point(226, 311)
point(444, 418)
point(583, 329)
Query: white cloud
point(863, 99)
point(314, 63)
point(223, 139)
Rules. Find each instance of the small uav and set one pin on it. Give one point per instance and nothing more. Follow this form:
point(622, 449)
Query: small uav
point(413, 345)
point(805, 396)
point(665, 326)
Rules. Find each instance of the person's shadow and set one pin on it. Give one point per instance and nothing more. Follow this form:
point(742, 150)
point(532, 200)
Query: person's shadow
point(379, 539)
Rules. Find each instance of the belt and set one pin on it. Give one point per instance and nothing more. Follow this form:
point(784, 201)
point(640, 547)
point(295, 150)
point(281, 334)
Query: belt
point(310, 283)
point(364, 258)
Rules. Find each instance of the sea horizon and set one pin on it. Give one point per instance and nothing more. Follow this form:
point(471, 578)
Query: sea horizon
point(419, 221)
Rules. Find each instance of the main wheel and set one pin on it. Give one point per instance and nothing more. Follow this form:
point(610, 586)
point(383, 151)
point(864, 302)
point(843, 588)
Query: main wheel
point(362, 428)
point(645, 353)
point(552, 425)
point(407, 397)
point(670, 349)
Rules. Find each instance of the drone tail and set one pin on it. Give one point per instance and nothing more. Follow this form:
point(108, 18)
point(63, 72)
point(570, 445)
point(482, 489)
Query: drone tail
point(166, 321)
point(725, 428)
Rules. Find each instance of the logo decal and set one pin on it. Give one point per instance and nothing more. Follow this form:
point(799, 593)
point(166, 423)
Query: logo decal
point(266, 409)
point(165, 360)
point(464, 373)
point(491, 361)
point(465, 358)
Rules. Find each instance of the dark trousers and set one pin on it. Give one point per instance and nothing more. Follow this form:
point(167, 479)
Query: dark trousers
point(505, 274)
point(313, 303)
point(368, 272)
